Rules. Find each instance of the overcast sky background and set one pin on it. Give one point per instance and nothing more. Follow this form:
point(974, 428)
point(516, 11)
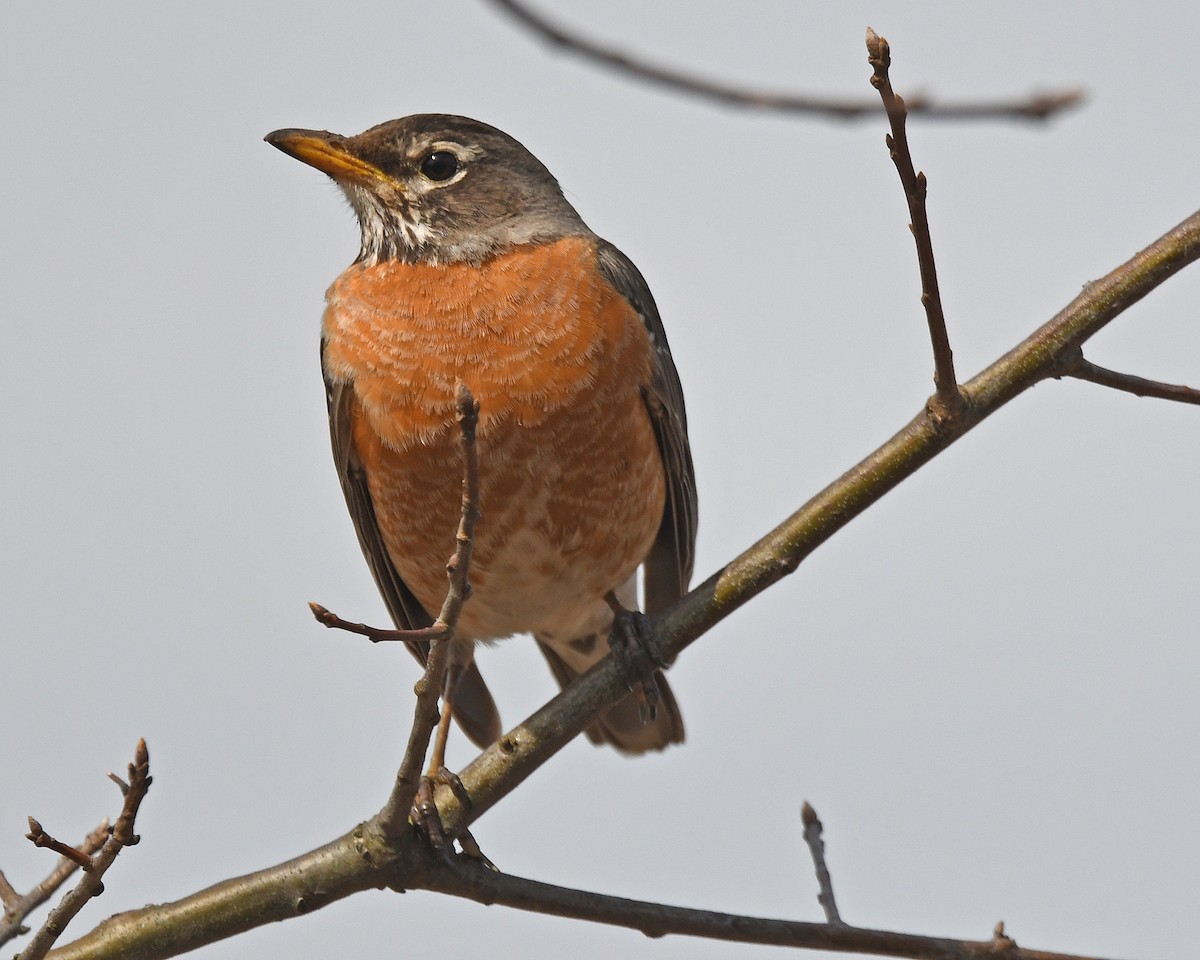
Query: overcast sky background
point(987, 685)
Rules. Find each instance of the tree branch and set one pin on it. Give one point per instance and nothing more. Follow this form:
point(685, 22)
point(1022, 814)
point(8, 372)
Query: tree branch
point(1037, 107)
point(395, 813)
point(816, 847)
point(370, 856)
point(365, 858)
point(328, 618)
point(40, 838)
point(362, 859)
point(90, 883)
point(657, 920)
point(505, 764)
point(17, 907)
point(1082, 369)
point(880, 57)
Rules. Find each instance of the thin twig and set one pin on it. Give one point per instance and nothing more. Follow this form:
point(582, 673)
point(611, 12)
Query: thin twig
point(459, 566)
point(1082, 369)
point(40, 838)
point(880, 57)
point(816, 846)
point(17, 907)
point(439, 635)
point(1036, 107)
point(657, 920)
point(375, 634)
point(395, 813)
point(90, 883)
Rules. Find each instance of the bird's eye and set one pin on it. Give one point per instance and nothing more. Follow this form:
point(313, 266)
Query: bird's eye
point(439, 166)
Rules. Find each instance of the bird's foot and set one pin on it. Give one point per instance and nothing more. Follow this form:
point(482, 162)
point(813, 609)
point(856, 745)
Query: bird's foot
point(426, 818)
point(425, 812)
point(633, 644)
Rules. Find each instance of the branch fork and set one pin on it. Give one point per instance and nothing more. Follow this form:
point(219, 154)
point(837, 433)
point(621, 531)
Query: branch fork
point(93, 858)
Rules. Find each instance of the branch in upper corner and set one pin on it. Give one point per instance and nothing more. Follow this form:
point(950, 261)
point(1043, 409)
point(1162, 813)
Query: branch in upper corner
point(94, 867)
point(1037, 107)
point(1082, 369)
point(816, 846)
point(880, 58)
point(18, 907)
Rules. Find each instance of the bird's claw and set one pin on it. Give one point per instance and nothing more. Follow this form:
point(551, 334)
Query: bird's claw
point(426, 818)
point(632, 643)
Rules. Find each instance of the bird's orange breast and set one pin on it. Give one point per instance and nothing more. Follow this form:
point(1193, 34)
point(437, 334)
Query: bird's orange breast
point(572, 483)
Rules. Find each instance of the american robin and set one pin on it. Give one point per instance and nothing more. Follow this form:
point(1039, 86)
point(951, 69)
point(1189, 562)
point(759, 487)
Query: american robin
point(474, 267)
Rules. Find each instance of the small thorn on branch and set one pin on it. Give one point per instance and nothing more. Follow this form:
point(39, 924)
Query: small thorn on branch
point(1001, 941)
point(816, 846)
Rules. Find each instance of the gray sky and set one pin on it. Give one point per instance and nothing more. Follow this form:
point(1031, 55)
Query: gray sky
point(986, 685)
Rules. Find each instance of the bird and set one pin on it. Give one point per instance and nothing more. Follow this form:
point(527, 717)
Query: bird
point(473, 267)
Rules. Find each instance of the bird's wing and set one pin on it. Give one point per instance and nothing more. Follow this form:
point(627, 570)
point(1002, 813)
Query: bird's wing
point(668, 567)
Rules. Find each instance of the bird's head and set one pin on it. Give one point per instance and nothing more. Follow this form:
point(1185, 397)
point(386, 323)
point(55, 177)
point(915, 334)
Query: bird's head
point(438, 188)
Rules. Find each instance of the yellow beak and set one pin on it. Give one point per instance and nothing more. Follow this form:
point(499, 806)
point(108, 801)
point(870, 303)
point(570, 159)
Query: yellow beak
point(326, 152)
